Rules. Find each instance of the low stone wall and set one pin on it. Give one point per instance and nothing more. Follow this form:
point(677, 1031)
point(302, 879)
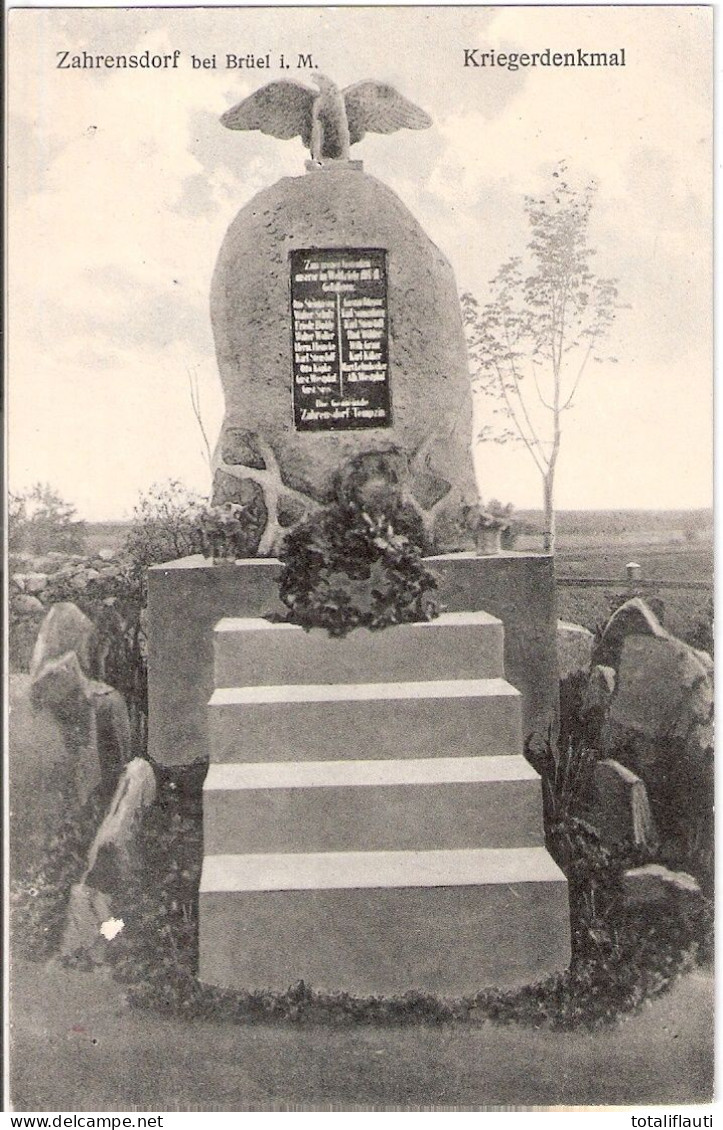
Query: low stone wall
point(186, 598)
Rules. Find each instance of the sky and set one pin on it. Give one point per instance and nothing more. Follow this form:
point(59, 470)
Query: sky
point(121, 185)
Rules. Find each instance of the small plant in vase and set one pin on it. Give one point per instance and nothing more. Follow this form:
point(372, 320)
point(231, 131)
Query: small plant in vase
point(493, 521)
point(225, 533)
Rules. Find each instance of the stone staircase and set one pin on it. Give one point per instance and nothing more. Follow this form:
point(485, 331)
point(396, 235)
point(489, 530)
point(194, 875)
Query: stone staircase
point(370, 823)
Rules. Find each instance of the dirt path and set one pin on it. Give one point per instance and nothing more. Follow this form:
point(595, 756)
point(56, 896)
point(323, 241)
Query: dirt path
point(78, 1047)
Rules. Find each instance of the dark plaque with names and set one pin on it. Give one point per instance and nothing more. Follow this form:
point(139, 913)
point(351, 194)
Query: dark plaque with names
point(340, 339)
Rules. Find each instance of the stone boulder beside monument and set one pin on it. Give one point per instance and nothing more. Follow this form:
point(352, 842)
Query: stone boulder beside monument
point(574, 649)
point(660, 724)
point(96, 905)
point(649, 706)
point(39, 775)
point(69, 732)
point(620, 809)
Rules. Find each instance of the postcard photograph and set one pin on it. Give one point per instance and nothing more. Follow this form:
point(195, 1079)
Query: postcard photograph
point(359, 559)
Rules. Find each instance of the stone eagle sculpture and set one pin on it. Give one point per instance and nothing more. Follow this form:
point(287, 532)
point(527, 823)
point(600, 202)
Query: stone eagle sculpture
point(330, 120)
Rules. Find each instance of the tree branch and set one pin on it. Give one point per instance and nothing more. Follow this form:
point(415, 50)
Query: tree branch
point(533, 434)
point(540, 461)
point(580, 371)
point(196, 406)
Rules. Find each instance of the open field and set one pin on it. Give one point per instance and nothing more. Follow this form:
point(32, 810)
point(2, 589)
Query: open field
point(669, 545)
point(576, 529)
point(600, 527)
point(105, 535)
point(685, 609)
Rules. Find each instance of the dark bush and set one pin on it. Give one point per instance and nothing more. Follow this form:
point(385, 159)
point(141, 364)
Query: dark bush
point(166, 525)
point(574, 727)
point(157, 953)
point(40, 521)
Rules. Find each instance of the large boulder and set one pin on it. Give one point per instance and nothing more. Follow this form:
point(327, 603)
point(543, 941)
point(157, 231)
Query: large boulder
point(60, 684)
point(35, 582)
point(112, 730)
point(338, 207)
point(42, 773)
point(574, 649)
point(664, 893)
point(92, 716)
point(136, 789)
point(87, 912)
point(660, 724)
point(61, 688)
point(633, 618)
point(620, 810)
point(95, 902)
point(66, 629)
point(26, 604)
point(599, 690)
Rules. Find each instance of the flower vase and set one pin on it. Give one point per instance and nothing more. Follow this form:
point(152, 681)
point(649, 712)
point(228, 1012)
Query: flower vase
point(489, 542)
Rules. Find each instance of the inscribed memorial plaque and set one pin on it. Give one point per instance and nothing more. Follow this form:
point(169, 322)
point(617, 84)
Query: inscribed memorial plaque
point(340, 339)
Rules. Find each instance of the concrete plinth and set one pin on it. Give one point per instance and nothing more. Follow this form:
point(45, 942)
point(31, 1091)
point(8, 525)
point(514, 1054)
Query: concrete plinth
point(370, 833)
point(519, 589)
point(187, 598)
point(370, 823)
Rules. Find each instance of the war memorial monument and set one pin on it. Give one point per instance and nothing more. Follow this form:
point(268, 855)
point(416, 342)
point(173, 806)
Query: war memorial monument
point(371, 824)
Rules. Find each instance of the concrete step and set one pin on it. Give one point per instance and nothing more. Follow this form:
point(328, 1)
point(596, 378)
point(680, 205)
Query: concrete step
point(315, 806)
point(457, 645)
point(449, 718)
point(446, 922)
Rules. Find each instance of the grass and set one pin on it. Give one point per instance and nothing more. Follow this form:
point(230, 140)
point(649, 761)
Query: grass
point(685, 610)
point(78, 1046)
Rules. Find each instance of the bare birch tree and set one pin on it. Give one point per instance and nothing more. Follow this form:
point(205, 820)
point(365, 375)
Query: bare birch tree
point(546, 319)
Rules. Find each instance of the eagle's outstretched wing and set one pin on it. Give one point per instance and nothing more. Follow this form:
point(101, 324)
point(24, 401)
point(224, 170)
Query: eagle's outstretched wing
point(282, 109)
point(377, 107)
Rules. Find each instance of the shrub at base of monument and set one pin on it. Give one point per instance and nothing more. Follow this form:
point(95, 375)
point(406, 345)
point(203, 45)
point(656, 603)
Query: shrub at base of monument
point(230, 531)
point(489, 542)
